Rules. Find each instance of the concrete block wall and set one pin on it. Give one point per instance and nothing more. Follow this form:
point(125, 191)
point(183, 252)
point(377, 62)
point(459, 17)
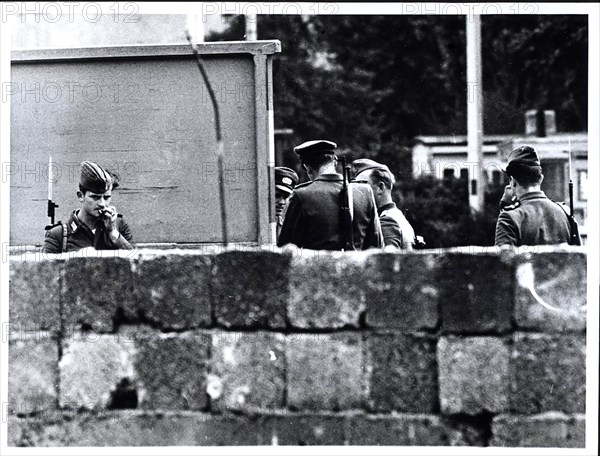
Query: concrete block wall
point(272, 347)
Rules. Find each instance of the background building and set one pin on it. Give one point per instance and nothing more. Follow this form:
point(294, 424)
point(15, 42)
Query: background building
point(446, 157)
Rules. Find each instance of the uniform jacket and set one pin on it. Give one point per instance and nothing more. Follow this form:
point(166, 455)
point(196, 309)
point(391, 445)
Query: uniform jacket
point(532, 220)
point(312, 219)
point(80, 236)
point(397, 231)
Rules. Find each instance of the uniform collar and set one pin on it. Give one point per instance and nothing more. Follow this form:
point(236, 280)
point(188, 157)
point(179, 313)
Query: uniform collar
point(333, 177)
point(75, 224)
point(533, 195)
point(385, 207)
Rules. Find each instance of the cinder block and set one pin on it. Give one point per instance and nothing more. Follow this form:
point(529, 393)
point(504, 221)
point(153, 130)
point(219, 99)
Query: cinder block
point(548, 373)
point(300, 430)
point(548, 430)
point(473, 374)
point(34, 295)
point(403, 292)
point(327, 290)
point(94, 289)
point(403, 373)
point(325, 371)
point(247, 371)
point(91, 367)
point(173, 291)
point(476, 293)
point(171, 370)
point(130, 428)
point(251, 289)
point(414, 430)
point(32, 375)
point(560, 280)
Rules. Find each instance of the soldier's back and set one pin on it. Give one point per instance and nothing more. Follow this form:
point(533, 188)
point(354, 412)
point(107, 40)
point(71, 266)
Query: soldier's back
point(535, 220)
point(313, 216)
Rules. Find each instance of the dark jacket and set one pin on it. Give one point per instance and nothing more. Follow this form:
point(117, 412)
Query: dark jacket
point(532, 220)
point(312, 219)
point(80, 236)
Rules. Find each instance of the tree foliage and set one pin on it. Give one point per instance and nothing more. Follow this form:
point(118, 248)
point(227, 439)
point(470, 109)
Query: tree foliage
point(372, 82)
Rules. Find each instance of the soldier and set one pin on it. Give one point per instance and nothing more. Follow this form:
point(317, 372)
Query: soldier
point(313, 217)
point(396, 229)
point(532, 219)
point(285, 181)
point(96, 223)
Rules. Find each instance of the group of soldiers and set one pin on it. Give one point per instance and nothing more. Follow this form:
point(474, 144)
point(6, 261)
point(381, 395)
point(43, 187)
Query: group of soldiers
point(527, 216)
point(311, 215)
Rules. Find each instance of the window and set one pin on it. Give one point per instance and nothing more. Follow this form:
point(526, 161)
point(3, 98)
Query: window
point(582, 183)
point(448, 173)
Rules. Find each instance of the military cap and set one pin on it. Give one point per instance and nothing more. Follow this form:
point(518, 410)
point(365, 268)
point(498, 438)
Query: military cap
point(364, 164)
point(94, 178)
point(524, 155)
point(285, 179)
point(316, 147)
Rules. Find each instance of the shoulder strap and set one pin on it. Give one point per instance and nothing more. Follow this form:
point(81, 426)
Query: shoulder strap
point(64, 237)
point(574, 238)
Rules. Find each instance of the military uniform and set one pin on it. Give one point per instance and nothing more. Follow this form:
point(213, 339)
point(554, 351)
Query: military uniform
point(396, 229)
point(285, 181)
point(95, 185)
point(532, 218)
point(79, 236)
point(313, 221)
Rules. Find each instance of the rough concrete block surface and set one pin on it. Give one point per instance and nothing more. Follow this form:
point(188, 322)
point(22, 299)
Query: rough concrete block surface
point(93, 368)
point(300, 430)
point(171, 370)
point(560, 281)
point(413, 430)
point(403, 373)
point(325, 371)
point(247, 371)
point(546, 430)
point(250, 289)
point(34, 295)
point(94, 289)
point(130, 428)
point(548, 373)
point(402, 292)
point(473, 374)
point(327, 290)
point(476, 293)
point(173, 291)
point(32, 375)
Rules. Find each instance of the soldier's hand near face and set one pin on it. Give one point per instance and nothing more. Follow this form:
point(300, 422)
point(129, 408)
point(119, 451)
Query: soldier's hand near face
point(109, 217)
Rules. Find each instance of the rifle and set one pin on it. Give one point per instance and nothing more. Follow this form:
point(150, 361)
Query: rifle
point(51, 213)
point(51, 204)
point(345, 211)
point(575, 238)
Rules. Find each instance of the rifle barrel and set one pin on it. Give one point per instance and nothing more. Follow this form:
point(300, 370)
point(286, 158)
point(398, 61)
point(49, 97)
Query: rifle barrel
point(571, 196)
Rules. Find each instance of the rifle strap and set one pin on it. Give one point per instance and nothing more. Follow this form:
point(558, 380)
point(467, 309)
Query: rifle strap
point(573, 228)
point(64, 237)
point(351, 200)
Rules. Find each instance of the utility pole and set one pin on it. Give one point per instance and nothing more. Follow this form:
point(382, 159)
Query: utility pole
point(251, 28)
point(474, 114)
